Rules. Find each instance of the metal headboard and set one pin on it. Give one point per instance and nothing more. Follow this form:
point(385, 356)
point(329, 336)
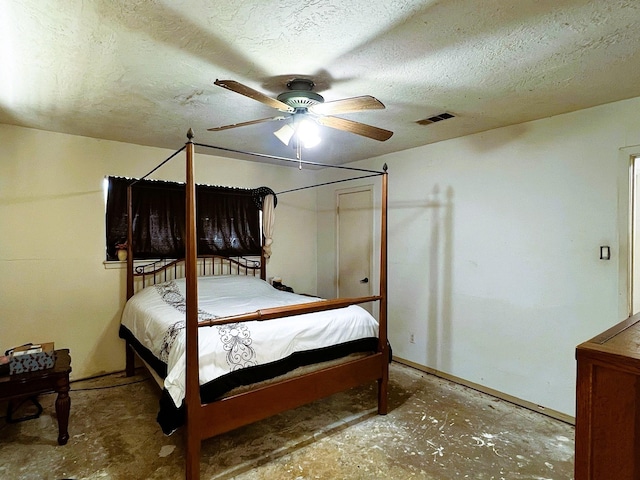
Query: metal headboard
point(164, 270)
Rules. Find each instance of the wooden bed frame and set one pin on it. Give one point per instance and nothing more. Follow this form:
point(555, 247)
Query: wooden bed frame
point(207, 420)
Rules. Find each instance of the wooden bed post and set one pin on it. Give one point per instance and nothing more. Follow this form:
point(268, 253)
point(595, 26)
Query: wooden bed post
point(383, 345)
point(192, 387)
point(263, 265)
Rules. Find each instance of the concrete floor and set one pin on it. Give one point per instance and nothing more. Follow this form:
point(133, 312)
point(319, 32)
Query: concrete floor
point(435, 430)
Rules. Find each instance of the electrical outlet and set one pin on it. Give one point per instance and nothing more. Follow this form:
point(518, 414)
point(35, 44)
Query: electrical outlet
point(411, 338)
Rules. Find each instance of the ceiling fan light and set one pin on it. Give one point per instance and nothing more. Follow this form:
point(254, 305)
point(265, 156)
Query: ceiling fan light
point(307, 133)
point(311, 142)
point(285, 133)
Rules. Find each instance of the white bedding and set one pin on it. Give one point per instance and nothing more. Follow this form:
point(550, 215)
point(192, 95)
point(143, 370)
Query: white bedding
point(155, 316)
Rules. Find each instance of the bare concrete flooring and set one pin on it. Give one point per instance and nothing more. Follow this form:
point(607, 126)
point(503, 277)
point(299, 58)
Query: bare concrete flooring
point(435, 430)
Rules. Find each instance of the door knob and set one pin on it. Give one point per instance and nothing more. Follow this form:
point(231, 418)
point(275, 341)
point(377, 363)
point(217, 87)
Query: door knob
point(364, 280)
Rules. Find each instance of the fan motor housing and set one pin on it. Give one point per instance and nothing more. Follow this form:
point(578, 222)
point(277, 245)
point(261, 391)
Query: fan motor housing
point(300, 94)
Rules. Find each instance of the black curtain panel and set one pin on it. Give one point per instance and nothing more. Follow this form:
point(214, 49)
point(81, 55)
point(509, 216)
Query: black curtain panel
point(116, 214)
point(227, 219)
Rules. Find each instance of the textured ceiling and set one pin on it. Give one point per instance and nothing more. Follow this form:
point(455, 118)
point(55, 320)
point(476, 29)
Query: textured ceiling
point(143, 71)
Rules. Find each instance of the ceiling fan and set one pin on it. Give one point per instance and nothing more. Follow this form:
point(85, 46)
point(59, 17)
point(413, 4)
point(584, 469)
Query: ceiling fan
point(302, 105)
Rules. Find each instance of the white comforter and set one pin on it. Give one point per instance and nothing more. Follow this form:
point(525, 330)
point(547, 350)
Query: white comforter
point(155, 316)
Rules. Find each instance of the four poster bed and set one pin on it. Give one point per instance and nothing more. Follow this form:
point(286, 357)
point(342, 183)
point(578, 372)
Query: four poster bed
point(228, 349)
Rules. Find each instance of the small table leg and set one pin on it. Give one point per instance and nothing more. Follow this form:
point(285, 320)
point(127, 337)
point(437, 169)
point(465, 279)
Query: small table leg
point(63, 406)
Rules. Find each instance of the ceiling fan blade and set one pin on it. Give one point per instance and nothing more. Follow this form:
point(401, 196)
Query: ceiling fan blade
point(242, 124)
point(254, 94)
point(347, 105)
point(358, 128)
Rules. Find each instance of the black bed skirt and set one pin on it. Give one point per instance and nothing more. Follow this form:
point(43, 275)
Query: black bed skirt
point(170, 417)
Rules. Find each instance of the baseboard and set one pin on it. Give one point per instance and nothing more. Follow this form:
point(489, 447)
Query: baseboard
point(489, 391)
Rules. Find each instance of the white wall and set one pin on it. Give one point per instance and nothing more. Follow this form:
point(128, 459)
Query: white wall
point(494, 249)
point(53, 283)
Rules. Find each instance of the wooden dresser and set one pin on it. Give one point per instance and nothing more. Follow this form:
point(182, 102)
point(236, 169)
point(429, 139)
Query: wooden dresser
point(608, 404)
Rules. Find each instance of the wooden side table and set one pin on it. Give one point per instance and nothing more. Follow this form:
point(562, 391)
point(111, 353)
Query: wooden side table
point(31, 384)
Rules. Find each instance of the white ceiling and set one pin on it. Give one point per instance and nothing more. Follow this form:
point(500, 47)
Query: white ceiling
point(142, 71)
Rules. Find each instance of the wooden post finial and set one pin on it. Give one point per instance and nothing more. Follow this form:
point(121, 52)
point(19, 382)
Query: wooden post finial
point(190, 134)
point(385, 167)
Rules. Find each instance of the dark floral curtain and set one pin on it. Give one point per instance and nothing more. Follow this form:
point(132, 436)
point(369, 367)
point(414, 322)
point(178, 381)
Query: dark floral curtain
point(227, 219)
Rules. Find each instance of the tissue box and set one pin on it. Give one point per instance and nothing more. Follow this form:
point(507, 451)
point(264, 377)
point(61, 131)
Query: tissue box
point(29, 359)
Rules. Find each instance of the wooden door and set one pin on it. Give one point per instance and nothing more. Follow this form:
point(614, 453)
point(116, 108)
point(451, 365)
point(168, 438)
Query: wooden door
point(355, 242)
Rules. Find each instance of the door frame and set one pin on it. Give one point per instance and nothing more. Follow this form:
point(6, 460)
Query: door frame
point(356, 189)
point(627, 210)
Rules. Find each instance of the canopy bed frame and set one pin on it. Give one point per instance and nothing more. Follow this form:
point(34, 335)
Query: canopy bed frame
point(204, 420)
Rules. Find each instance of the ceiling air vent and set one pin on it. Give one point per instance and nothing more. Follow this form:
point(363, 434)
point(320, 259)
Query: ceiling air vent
point(435, 118)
